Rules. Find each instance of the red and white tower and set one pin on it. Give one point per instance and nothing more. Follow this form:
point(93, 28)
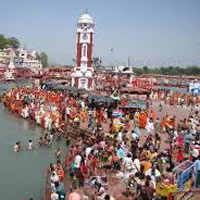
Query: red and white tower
point(82, 77)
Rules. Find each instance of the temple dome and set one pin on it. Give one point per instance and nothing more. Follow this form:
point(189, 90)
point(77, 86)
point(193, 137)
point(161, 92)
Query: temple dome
point(85, 19)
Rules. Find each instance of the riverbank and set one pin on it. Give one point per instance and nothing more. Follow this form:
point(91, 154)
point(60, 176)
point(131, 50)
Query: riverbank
point(23, 173)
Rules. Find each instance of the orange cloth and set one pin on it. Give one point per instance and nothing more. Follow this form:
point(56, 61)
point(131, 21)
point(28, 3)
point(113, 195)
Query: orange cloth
point(72, 114)
point(187, 99)
point(61, 174)
point(143, 120)
point(170, 122)
point(83, 115)
point(163, 123)
point(147, 165)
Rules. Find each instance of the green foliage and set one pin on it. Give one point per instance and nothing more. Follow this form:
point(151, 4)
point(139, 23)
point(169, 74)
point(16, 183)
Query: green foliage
point(190, 70)
point(13, 42)
point(8, 42)
point(138, 71)
point(44, 59)
point(37, 56)
point(146, 70)
point(3, 41)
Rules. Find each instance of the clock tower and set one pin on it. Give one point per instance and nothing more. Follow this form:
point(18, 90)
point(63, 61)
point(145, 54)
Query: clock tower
point(82, 76)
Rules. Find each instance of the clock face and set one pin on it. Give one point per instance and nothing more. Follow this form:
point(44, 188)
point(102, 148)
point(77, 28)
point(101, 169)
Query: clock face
point(85, 37)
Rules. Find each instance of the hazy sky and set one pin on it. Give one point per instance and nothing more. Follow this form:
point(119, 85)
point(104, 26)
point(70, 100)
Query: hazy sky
point(150, 32)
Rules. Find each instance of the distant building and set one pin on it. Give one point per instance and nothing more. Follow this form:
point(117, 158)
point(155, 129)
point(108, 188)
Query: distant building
point(29, 59)
point(6, 54)
point(22, 58)
point(115, 69)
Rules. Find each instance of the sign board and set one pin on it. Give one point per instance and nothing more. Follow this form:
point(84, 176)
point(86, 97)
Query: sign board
point(194, 88)
point(184, 179)
point(136, 104)
point(117, 113)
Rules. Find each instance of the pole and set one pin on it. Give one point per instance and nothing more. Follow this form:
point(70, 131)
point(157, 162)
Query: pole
point(128, 61)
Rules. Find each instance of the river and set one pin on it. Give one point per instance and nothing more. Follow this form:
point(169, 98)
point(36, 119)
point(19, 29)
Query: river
point(22, 175)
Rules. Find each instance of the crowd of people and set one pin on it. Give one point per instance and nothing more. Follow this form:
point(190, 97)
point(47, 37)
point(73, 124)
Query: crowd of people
point(176, 98)
point(131, 151)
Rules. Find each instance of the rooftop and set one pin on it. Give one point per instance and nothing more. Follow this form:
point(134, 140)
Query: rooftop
point(85, 19)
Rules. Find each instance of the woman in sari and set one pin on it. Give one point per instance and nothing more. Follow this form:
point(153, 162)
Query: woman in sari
point(143, 119)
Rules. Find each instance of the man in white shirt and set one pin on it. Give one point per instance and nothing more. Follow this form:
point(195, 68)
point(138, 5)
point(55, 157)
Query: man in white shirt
point(16, 147)
point(82, 103)
point(87, 152)
point(195, 153)
point(128, 163)
point(54, 196)
point(54, 177)
point(30, 145)
point(153, 173)
point(120, 136)
point(136, 163)
point(150, 127)
point(77, 164)
point(67, 112)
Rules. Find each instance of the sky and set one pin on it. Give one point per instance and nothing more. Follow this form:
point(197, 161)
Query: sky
point(150, 32)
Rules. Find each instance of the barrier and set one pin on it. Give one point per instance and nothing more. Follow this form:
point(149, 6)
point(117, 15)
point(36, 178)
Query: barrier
point(184, 179)
point(164, 190)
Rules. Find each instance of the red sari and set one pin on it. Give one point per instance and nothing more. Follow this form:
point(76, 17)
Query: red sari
point(180, 157)
point(84, 169)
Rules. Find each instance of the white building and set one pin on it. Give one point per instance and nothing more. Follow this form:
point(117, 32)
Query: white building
point(29, 59)
point(6, 54)
point(22, 58)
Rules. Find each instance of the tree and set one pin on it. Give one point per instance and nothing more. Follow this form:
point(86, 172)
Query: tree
point(44, 59)
point(137, 71)
point(8, 42)
point(146, 69)
point(13, 42)
point(37, 56)
point(96, 61)
point(3, 41)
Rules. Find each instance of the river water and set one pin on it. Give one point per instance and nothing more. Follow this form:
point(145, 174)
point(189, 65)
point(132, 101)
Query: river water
point(22, 175)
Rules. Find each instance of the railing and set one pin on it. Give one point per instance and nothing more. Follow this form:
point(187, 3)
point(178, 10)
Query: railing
point(185, 195)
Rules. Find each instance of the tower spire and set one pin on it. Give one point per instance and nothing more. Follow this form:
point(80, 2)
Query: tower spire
point(86, 11)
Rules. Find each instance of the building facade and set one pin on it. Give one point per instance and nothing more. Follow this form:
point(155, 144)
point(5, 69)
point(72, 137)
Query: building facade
point(29, 59)
point(22, 58)
point(82, 77)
